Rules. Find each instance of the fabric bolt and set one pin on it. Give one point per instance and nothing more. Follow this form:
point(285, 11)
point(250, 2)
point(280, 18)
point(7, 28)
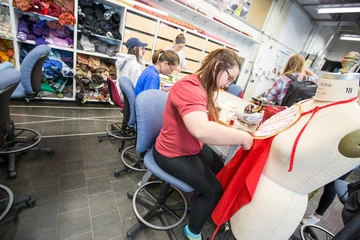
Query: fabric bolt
point(108, 14)
point(94, 40)
point(103, 47)
point(40, 41)
point(40, 28)
point(86, 3)
point(94, 62)
point(23, 27)
point(4, 56)
point(49, 40)
point(40, 7)
point(54, 24)
point(60, 42)
point(115, 19)
point(23, 5)
point(54, 9)
point(69, 41)
point(67, 58)
point(61, 3)
point(85, 43)
point(34, 18)
point(21, 36)
point(83, 59)
point(31, 36)
point(112, 50)
point(99, 12)
point(67, 18)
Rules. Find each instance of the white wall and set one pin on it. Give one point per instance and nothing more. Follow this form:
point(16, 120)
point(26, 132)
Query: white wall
point(341, 47)
point(295, 30)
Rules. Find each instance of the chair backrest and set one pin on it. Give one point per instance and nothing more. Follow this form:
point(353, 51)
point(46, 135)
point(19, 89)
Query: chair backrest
point(234, 89)
point(31, 68)
point(149, 109)
point(114, 93)
point(127, 88)
point(9, 80)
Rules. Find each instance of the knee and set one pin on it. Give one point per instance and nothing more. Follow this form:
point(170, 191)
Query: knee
point(217, 192)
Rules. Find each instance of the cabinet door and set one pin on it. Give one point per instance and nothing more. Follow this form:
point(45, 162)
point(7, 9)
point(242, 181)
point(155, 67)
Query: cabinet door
point(192, 65)
point(195, 41)
point(140, 23)
point(162, 44)
point(211, 46)
point(141, 36)
point(168, 32)
point(192, 54)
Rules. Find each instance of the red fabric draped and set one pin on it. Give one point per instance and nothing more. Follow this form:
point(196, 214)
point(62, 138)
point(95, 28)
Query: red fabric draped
point(239, 179)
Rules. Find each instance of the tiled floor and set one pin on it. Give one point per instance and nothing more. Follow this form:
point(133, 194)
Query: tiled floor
point(77, 195)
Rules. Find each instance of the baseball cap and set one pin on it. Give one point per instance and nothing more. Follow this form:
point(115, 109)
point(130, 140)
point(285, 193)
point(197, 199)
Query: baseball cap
point(134, 42)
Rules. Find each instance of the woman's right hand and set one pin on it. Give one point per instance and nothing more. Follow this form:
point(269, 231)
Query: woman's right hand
point(247, 142)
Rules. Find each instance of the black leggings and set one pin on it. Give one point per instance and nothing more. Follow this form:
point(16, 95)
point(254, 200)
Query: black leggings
point(199, 171)
point(328, 196)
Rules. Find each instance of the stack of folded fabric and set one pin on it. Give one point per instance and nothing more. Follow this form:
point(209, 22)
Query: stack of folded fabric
point(62, 9)
point(96, 19)
point(6, 51)
point(5, 25)
point(94, 44)
point(57, 79)
point(44, 32)
point(91, 76)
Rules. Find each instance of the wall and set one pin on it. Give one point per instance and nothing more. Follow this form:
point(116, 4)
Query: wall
point(286, 30)
point(340, 48)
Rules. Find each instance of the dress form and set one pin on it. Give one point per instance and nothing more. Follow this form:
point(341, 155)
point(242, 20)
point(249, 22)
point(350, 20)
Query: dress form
point(280, 199)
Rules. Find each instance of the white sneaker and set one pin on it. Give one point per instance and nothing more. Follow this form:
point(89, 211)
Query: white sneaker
point(310, 220)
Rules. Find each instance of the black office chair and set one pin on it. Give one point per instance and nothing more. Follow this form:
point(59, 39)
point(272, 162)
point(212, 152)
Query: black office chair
point(16, 140)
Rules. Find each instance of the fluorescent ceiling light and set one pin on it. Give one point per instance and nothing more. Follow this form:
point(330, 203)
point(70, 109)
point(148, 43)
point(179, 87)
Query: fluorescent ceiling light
point(350, 37)
point(344, 8)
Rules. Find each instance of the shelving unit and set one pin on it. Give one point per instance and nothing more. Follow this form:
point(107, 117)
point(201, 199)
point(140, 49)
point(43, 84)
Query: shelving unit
point(156, 31)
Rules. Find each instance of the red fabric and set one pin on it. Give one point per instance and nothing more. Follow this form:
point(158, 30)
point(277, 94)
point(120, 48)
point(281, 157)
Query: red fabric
point(269, 111)
point(54, 10)
point(185, 96)
point(239, 179)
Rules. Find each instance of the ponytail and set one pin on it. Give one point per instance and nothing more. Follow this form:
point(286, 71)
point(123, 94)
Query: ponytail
point(166, 55)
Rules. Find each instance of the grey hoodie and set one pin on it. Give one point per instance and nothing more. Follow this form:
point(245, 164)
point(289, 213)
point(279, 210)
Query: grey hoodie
point(127, 65)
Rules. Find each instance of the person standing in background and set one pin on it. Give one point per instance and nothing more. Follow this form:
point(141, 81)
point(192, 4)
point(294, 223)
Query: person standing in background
point(178, 46)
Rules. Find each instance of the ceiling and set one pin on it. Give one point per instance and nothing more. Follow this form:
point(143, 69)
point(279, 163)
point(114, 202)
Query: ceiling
point(348, 21)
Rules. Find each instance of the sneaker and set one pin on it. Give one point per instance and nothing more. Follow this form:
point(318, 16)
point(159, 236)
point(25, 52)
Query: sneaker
point(310, 220)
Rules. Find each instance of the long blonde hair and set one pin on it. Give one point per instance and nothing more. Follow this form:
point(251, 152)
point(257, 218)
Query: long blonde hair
point(217, 61)
point(295, 64)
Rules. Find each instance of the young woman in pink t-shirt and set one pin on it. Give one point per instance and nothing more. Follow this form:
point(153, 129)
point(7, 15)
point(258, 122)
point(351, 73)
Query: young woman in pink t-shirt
point(190, 121)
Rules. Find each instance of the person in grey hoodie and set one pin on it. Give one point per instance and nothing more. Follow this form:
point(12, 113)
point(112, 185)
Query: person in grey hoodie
point(131, 64)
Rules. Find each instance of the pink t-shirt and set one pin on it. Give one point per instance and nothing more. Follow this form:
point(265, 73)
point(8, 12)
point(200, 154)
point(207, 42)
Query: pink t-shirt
point(187, 95)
